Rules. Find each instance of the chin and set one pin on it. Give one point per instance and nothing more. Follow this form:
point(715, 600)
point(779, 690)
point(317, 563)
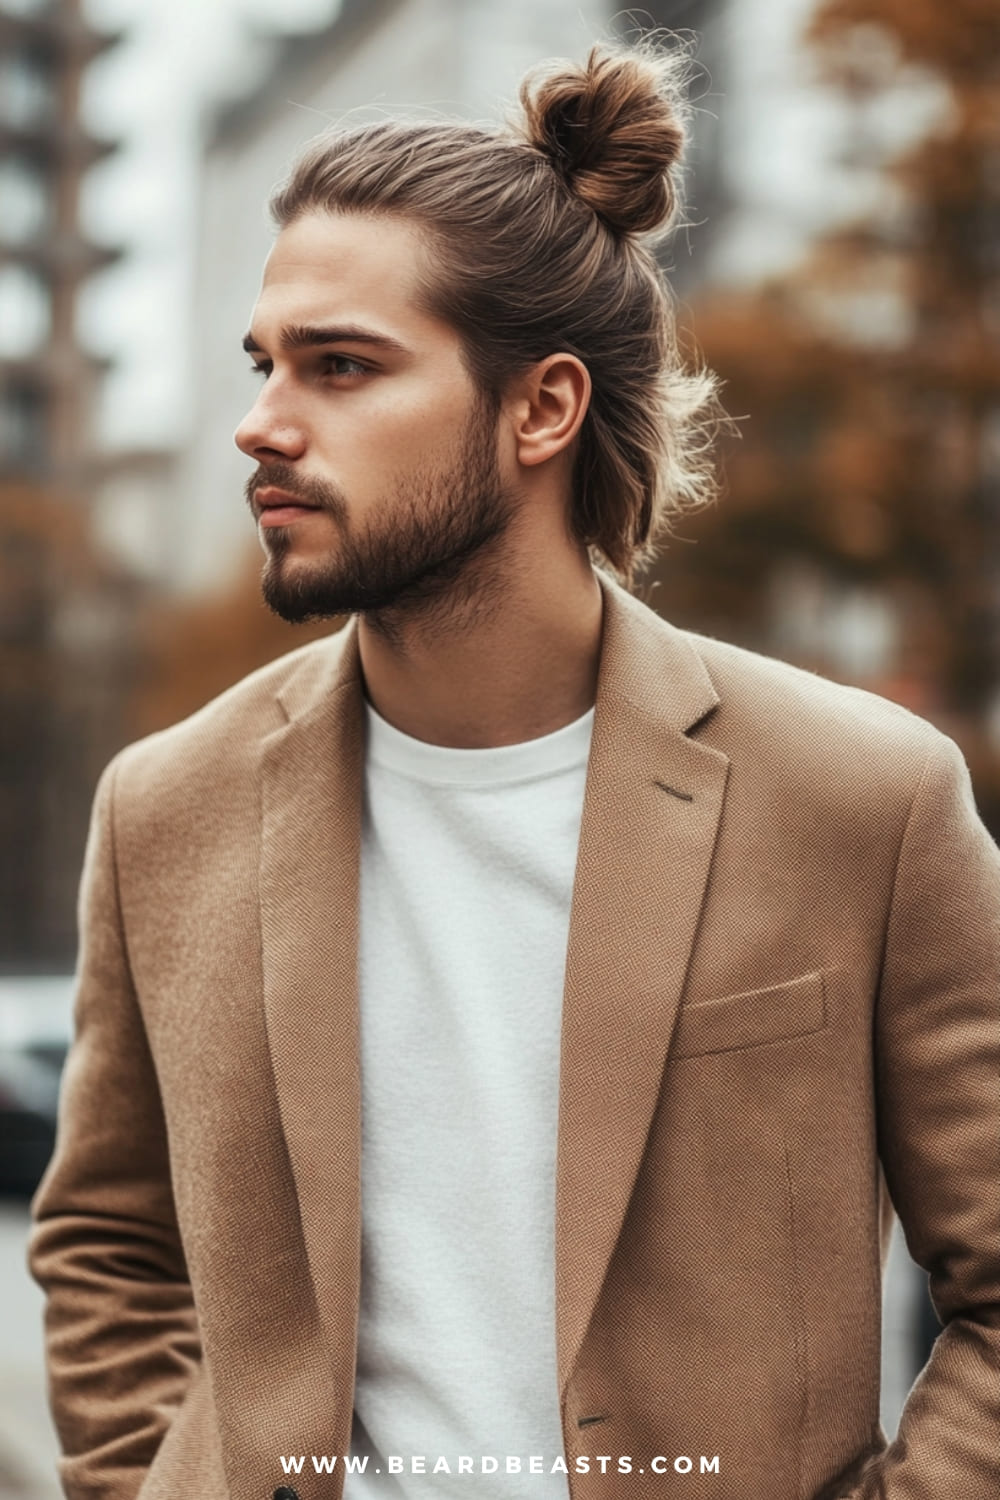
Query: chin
point(298, 590)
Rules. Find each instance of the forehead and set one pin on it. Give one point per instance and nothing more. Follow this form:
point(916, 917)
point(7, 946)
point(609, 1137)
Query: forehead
point(347, 268)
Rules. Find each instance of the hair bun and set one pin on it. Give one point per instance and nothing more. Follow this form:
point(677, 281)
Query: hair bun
point(614, 130)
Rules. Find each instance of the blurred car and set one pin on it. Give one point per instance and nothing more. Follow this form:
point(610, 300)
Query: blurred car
point(35, 1029)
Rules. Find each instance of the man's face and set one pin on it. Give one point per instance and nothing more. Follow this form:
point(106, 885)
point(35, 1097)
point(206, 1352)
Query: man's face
point(378, 479)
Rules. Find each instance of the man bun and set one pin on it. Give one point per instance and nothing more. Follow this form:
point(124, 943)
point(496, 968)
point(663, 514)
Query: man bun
point(613, 129)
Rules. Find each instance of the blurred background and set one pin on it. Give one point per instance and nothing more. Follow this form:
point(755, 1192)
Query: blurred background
point(839, 266)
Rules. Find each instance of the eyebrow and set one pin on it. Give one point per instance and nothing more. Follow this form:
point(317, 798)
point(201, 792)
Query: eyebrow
point(310, 336)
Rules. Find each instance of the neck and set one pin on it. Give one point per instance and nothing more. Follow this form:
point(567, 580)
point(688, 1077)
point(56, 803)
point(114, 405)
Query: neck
point(506, 661)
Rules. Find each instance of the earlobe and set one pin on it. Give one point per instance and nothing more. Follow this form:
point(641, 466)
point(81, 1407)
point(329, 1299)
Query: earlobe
point(551, 404)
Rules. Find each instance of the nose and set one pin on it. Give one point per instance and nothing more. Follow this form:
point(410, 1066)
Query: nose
point(268, 432)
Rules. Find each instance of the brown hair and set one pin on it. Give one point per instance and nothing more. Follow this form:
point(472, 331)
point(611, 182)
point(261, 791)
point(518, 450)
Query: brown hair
point(536, 236)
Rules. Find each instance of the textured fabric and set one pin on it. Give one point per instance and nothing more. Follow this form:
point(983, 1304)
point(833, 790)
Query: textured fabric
point(786, 875)
point(467, 860)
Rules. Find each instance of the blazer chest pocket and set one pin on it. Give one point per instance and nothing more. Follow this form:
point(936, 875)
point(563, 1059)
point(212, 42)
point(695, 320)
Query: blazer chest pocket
point(773, 1014)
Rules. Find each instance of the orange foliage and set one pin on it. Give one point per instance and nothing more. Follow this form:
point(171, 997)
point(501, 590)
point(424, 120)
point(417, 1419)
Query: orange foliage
point(867, 463)
point(195, 650)
point(961, 39)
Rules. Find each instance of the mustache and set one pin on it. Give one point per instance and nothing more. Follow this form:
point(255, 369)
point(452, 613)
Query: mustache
point(317, 492)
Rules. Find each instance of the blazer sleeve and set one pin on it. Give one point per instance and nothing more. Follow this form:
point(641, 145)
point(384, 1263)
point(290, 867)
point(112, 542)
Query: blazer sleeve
point(121, 1332)
point(937, 1041)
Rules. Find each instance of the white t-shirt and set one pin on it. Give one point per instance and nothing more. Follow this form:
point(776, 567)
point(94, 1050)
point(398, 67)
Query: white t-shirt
point(467, 867)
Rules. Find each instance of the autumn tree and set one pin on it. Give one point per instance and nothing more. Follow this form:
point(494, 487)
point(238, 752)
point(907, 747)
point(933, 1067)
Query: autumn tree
point(869, 381)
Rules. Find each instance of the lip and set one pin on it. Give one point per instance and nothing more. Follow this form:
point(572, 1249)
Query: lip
point(269, 497)
point(278, 508)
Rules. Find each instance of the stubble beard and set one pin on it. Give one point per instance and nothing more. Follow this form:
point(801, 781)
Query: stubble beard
point(426, 551)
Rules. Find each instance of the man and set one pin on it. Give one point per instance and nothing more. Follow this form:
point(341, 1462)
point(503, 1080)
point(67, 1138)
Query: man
point(494, 1020)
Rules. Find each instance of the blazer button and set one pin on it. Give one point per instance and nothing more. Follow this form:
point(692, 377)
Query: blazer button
point(285, 1492)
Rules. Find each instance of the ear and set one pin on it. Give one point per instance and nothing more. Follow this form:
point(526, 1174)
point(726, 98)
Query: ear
point(546, 406)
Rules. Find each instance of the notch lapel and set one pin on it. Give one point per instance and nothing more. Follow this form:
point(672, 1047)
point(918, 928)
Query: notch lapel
point(651, 811)
point(310, 855)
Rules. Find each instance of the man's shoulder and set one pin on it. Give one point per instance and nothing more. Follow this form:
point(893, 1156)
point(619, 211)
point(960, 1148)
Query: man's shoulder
point(223, 738)
point(751, 705)
point(792, 715)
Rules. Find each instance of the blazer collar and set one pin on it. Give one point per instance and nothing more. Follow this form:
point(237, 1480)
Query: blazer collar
point(645, 662)
point(311, 790)
point(651, 810)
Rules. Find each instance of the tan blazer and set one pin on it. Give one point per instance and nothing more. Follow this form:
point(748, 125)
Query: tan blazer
point(783, 965)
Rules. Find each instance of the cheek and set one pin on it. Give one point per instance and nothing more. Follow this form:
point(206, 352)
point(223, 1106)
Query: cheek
point(425, 428)
point(373, 440)
point(395, 451)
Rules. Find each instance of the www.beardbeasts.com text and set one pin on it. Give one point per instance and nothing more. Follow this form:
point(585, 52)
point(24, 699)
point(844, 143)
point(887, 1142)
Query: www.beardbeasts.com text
point(487, 1463)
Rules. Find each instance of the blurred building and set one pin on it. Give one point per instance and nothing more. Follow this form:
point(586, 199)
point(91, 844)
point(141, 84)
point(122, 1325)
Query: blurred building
point(61, 609)
point(47, 381)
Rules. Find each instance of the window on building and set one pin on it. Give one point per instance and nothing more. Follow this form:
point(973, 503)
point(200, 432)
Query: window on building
point(25, 202)
point(22, 429)
point(25, 312)
point(27, 89)
point(23, 7)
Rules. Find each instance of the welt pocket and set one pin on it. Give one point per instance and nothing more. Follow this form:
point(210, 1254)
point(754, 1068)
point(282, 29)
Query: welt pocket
point(751, 1018)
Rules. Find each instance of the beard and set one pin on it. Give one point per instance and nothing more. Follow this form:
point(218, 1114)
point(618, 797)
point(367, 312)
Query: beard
point(423, 545)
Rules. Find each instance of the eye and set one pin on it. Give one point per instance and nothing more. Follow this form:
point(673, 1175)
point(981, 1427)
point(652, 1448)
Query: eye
point(343, 364)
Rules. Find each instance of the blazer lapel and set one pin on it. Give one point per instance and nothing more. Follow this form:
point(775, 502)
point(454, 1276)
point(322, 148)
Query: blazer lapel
point(310, 852)
point(651, 810)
